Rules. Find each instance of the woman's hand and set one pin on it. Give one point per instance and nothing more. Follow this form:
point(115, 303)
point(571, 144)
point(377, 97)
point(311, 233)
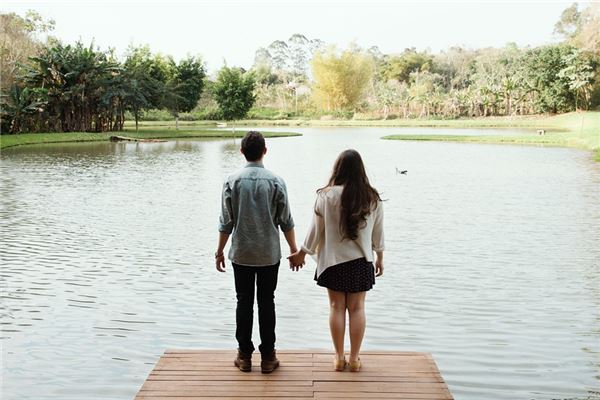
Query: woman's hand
point(379, 264)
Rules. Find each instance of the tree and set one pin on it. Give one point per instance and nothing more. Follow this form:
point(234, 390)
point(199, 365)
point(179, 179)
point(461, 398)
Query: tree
point(588, 36)
point(83, 88)
point(18, 42)
point(569, 24)
point(145, 88)
point(341, 78)
point(551, 92)
point(19, 108)
point(185, 87)
point(234, 93)
point(579, 71)
point(400, 67)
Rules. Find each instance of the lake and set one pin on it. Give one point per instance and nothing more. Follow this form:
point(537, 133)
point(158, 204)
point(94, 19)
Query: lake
point(492, 261)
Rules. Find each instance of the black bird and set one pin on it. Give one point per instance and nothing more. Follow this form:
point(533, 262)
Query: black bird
point(403, 172)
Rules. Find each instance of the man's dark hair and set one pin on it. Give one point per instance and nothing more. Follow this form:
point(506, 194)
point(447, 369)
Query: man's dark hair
point(253, 146)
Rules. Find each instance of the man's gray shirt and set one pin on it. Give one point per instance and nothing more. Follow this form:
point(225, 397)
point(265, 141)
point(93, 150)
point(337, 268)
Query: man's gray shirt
point(254, 205)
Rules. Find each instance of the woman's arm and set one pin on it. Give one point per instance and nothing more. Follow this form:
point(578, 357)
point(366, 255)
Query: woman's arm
point(314, 236)
point(316, 229)
point(379, 263)
point(378, 237)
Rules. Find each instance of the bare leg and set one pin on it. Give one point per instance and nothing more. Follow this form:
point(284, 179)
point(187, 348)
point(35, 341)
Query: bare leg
point(356, 311)
point(337, 320)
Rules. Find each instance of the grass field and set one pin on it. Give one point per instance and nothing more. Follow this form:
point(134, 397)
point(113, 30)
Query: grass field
point(578, 129)
point(153, 131)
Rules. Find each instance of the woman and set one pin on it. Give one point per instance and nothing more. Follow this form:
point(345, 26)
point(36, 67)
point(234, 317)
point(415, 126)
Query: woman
point(346, 228)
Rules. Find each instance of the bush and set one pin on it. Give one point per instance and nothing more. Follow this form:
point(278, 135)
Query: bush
point(157, 115)
point(268, 113)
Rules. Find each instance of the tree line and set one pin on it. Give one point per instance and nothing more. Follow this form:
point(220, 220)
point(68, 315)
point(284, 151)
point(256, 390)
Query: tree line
point(457, 82)
point(49, 86)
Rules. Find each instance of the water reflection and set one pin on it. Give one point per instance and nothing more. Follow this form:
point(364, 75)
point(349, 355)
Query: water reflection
point(107, 260)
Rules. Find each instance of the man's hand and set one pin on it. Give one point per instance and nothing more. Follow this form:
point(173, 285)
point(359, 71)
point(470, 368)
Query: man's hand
point(297, 260)
point(220, 262)
point(219, 256)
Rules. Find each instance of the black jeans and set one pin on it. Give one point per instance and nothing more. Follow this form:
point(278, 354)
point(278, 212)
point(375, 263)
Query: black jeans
point(266, 283)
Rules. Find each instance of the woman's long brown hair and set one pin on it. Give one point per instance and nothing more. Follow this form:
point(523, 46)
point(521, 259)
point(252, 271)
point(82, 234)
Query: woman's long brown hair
point(358, 196)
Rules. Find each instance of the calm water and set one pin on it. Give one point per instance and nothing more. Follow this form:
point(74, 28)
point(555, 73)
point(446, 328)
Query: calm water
point(492, 262)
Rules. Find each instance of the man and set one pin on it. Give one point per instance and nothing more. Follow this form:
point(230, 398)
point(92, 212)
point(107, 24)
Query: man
point(254, 206)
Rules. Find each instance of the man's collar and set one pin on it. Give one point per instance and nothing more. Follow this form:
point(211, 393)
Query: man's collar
point(257, 164)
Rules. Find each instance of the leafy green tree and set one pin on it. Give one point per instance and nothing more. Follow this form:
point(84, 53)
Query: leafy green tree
point(144, 87)
point(83, 88)
point(19, 109)
point(579, 71)
point(401, 66)
point(234, 93)
point(185, 87)
point(551, 91)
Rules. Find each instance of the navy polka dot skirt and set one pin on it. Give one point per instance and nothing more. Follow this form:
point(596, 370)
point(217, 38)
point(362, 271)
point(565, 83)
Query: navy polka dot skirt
point(350, 276)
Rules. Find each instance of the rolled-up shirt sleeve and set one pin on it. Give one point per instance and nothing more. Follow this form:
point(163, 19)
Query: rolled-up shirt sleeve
point(284, 213)
point(378, 237)
point(226, 218)
point(316, 230)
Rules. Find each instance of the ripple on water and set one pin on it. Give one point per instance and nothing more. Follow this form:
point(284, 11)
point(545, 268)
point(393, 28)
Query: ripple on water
point(491, 262)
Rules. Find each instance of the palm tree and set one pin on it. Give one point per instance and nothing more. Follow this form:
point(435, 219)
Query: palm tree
point(20, 107)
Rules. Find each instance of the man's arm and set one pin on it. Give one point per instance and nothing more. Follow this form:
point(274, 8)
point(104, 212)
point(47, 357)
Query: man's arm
point(225, 226)
point(219, 255)
point(290, 238)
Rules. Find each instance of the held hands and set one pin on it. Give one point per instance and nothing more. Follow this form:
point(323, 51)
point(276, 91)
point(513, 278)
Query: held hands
point(296, 260)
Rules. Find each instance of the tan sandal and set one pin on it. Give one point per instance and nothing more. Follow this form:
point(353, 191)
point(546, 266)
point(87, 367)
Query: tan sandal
point(354, 366)
point(339, 365)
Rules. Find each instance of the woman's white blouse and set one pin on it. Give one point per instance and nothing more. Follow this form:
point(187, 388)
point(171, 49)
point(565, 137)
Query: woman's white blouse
point(324, 238)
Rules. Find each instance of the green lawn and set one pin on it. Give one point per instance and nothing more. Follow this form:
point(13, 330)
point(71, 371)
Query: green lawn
point(577, 129)
point(145, 132)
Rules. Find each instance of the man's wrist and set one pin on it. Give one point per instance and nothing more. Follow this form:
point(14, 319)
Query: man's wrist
point(219, 254)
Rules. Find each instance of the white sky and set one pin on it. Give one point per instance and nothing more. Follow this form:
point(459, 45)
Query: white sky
point(233, 30)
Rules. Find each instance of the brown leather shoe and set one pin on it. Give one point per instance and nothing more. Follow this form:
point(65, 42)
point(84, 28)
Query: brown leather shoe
point(269, 362)
point(243, 361)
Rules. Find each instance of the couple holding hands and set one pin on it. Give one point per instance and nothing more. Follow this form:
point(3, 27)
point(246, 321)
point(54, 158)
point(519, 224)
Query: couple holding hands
point(345, 230)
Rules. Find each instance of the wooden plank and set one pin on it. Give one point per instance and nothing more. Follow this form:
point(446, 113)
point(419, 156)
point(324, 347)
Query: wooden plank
point(337, 377)
point(403, 396)
point(201, 396)
point(381, 387)
point(225, 392)
point(303, 374)
point(241, 385)
point(228, 376)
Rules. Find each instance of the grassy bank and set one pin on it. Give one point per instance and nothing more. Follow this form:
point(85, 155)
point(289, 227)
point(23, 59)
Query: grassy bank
point(145, 132)
point(529, 121)
point(578, 129)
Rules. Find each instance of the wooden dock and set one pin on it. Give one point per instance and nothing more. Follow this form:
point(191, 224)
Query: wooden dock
point(303, 374)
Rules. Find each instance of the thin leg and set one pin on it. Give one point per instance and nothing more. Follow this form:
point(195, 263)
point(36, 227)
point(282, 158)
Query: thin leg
point(337, 320)
point(244, 312)
point(266, 283)
point(356, 311)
